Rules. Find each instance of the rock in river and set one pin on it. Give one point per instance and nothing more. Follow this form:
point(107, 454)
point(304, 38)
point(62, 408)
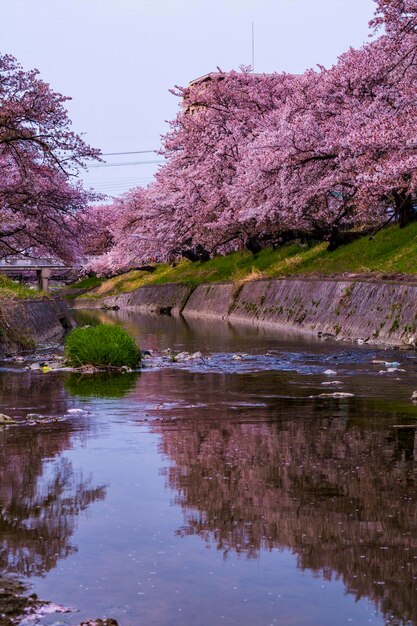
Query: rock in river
point(100, 622)
point(337, 394)
point(6, 419)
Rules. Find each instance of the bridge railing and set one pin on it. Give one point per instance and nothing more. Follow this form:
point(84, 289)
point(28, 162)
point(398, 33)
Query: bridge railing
point(29, 263)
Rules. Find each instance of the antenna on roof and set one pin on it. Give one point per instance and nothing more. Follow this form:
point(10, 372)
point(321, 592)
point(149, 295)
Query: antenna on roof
point(253, 47)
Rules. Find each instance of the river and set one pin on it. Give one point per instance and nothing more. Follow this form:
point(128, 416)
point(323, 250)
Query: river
point(216, 491)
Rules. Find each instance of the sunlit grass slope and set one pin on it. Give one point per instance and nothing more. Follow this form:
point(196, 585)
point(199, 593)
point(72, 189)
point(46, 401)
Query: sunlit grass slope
point(11, 290)
point(393, 250)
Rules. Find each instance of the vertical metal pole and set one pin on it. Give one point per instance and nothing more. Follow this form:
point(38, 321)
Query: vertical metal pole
point(253, 47)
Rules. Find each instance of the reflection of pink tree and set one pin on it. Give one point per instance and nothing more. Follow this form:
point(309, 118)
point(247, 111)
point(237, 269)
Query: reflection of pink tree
point(41, 495)
point(36, 524)
point(341, 498)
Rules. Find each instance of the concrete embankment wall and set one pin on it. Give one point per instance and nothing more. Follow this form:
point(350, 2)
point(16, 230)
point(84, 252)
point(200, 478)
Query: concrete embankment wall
point(374, 312)
point(153, 299)
point(378, 312)
point(25, 322)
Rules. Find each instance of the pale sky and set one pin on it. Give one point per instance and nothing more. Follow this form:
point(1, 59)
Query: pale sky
point(118, 59)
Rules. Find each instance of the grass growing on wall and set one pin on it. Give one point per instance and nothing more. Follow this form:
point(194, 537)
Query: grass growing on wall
point(99, 345)
point(393, 250)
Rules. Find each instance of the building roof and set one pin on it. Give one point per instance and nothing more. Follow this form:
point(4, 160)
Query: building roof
point(211, 75)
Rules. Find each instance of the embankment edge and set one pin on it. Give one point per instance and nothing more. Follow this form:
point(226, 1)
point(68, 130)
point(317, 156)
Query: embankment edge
point(383, 312)
point(25, 323)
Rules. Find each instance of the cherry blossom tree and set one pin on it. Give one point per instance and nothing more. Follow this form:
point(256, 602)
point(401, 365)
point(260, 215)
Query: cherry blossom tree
point(256, 159)
point(40, 159)
point(342, 151)
point(220, 117)
point(95, 229)
point(133, 230)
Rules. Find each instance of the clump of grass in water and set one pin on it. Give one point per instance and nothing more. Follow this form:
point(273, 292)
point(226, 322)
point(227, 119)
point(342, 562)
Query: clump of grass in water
point(101, 345)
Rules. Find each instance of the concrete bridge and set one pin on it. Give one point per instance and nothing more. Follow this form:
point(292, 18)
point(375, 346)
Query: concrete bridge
point(15, 265)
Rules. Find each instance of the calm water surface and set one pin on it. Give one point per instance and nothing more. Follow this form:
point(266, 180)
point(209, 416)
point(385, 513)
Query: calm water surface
point(218, 491)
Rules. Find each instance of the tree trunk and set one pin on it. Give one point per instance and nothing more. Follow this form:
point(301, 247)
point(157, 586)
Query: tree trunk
point(253, 245)
point(404, 208)
point(198, 253)
point(334, 239)
point(341, 238)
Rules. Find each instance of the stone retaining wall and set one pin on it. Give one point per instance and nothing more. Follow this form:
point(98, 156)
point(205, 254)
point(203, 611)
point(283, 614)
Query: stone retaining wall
point(25, 322)
point(377, 312)
point(169, 298)
point(374, 312)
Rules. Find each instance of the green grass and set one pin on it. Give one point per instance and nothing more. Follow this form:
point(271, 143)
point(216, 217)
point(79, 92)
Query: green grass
point(10, 289)
point(392, 251)
point(87, 283)
point(99, 345)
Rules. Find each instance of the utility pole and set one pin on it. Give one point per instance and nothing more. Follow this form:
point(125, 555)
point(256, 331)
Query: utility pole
point(253, 47)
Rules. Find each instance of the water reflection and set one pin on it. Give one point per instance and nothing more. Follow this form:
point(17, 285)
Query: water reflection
point(41, 495)
point(253, 462)
point(157, 332)
point(341, 496)
point(21, 393)
point(107, 385)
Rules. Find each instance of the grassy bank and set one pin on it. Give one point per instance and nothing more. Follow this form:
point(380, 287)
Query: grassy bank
point(12, 290)
point(392, 251)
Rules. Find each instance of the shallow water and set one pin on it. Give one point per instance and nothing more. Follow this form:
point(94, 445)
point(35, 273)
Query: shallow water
point(216, 491)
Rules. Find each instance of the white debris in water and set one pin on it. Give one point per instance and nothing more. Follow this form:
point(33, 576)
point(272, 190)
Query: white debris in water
point(337, 394)
point(75, 411)
point(333, 382)
point(47, 609)
point(182, 356)
point(330, 373)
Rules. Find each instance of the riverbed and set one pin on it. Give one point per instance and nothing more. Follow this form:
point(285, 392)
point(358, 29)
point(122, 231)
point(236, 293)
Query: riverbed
point(271, 481)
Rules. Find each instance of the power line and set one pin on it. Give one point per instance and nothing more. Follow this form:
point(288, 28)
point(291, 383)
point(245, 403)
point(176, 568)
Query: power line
point(120, 188)
point(115, 181)
point(128, 163)
point(134, 152)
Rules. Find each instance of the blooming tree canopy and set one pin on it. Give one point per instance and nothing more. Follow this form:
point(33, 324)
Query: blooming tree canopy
point(40, 156)
point(254, 159)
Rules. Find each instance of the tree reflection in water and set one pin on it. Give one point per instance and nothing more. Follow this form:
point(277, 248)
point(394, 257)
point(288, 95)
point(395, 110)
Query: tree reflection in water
point(342, 497)
point(41, 495)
